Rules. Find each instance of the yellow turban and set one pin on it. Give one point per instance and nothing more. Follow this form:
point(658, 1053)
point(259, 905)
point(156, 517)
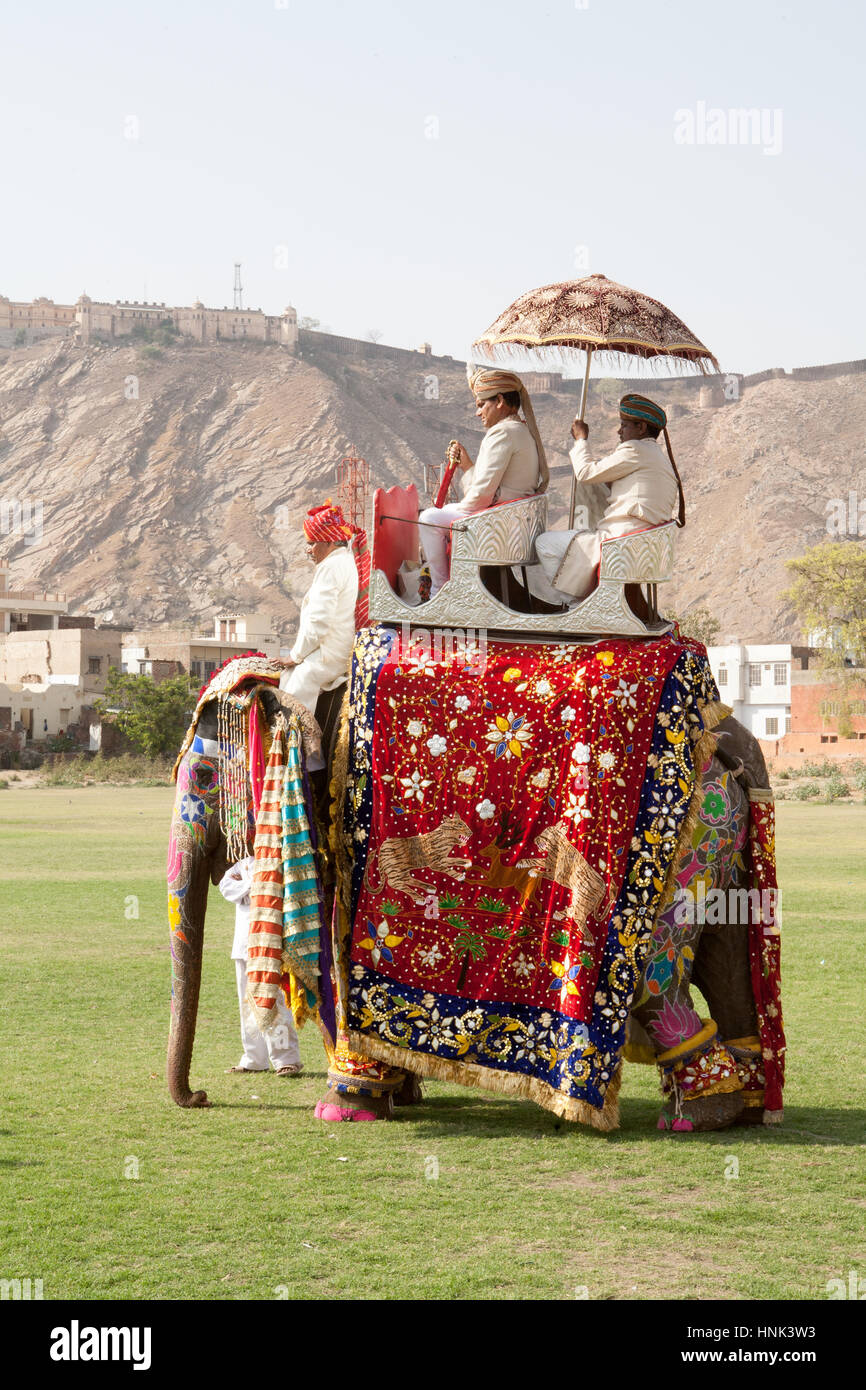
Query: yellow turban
point(485, 383)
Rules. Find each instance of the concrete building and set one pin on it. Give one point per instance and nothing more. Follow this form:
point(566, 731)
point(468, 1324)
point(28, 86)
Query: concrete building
point(161, 652)
point(755, 680)
point(28, 322)
point(53, 665)
point(27, 610)
point(22, 322)
point(123, 318)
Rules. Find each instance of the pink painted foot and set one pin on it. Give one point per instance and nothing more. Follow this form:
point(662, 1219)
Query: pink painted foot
point(363, 1108)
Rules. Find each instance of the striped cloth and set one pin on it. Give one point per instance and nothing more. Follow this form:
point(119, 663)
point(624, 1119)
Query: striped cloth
point(285, 919)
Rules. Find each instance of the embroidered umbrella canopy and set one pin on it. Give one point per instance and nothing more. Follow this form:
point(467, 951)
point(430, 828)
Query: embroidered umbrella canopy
point(557, 324)
point(593, 319)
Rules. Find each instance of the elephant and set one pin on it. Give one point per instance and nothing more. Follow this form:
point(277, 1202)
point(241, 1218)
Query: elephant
point(715, 957)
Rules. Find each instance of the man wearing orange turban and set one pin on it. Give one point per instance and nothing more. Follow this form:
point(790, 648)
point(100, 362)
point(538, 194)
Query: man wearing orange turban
point(510, 463)
point(333, 608)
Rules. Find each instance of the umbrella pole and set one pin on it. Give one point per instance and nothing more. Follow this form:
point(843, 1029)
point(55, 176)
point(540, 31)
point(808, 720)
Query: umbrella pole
point(583, 396)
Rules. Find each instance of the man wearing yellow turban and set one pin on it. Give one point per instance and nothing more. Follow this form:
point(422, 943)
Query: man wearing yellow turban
point(641, 487)
point(510, 463)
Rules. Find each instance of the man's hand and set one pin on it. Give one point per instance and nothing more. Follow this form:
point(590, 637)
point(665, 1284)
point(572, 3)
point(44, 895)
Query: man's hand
point(285, 662)
point(463, 459)
point(579, 429)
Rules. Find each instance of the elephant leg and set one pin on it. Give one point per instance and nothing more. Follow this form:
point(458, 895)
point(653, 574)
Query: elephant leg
point(722, 973)
point(359, 1087)
point(702, 1081)
point(411, 1092)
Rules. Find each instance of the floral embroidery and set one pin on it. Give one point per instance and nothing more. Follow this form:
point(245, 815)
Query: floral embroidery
point(508, 734)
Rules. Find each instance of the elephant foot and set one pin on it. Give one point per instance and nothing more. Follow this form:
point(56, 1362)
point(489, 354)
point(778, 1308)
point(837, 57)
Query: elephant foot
point(337, 1107)
point(703, 1113)
point(751, 1115)
point(410, 1092)
point(193, 1100)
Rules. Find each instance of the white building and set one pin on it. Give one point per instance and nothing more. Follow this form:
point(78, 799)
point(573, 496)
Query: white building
point(755, 680)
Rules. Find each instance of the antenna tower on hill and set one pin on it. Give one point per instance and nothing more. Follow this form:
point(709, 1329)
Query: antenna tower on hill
point(353, 482)
point(239, 301)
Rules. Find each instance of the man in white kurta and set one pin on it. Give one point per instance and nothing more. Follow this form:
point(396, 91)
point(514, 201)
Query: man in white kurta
point(319, 659)
point(279, 1047)
point(641, 490)
point(510, 464)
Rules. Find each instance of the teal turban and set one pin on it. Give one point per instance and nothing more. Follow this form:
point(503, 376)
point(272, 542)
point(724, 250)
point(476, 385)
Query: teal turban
point(642, 408)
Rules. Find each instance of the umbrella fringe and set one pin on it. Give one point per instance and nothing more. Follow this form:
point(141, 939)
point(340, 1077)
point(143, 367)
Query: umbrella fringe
point(608, 361)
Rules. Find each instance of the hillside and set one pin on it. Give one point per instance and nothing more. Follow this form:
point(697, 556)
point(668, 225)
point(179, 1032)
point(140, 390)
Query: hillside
point(161, 507)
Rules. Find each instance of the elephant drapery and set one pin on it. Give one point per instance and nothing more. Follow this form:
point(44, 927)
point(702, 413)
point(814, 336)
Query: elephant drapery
point(509, 839)
point(584, 931)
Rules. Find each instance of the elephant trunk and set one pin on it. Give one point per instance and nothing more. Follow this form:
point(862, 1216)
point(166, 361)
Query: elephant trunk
point(186, 914)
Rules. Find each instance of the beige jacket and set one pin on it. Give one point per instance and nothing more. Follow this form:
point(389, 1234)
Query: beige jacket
point(641, 482)
point(506, 468)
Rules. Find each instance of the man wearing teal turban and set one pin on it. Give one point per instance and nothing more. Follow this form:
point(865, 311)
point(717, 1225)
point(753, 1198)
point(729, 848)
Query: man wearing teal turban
point(641, 488)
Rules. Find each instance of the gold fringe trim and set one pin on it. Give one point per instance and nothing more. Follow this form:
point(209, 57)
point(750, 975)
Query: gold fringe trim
point(750, 1044)
point(639, 1054)
point(773, 1117)
point(690, 1044)
point(501, 1082)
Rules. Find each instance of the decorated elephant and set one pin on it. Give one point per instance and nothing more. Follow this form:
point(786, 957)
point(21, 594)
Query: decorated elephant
point(403, 963)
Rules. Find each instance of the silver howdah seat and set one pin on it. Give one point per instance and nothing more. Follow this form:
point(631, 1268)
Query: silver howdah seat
point(504, 537)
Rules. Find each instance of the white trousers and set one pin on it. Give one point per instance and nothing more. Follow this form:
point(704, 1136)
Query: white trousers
point(435, 540)
point(279, 1045)
point(550, 547)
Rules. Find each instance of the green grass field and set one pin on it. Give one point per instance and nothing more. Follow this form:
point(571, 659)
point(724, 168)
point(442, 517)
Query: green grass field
point(255, 1198)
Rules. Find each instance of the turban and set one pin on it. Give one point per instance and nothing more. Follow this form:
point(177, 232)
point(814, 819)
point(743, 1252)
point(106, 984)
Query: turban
point(485, 383)
point(642, 408)
point(327, 523)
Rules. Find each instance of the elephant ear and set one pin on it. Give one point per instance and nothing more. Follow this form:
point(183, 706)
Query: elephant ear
point(276, 702)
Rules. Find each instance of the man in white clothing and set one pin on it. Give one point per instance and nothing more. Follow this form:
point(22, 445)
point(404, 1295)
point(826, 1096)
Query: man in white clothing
point(641, 486)
point(278, 1047)
point(510, 464)
point(333, 607)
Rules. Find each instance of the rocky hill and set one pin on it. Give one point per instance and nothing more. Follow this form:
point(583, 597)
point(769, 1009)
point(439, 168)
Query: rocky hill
point(177, 483)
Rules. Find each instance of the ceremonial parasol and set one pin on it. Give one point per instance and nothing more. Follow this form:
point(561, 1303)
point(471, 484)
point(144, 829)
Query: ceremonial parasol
point(593, 319)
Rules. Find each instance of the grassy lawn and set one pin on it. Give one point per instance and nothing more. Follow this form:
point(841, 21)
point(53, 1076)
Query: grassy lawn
point(256, 1196)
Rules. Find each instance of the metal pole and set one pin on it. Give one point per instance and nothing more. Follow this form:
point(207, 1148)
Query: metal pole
point(583, 395)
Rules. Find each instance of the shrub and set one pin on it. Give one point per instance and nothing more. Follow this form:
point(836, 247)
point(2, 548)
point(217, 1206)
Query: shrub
point(823, 769)
point(3, 784)
point(806, 791)
point(783, 775)
point(837, 787)
point(860, 779)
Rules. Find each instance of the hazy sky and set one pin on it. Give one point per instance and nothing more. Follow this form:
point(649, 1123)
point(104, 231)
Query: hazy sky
point(412, 167)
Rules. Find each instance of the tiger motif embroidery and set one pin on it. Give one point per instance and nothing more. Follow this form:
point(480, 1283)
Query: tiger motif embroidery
point(399, 858)
point(565, 866)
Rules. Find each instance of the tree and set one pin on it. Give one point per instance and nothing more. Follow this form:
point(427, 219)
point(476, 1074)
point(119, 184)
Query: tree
point(153, 715)
point(829, 595)
point(699, 624)
point(308, 323)
point(374, 335)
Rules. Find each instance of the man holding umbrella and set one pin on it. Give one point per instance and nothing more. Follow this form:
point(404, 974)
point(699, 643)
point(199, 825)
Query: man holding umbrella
point(642, 487)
